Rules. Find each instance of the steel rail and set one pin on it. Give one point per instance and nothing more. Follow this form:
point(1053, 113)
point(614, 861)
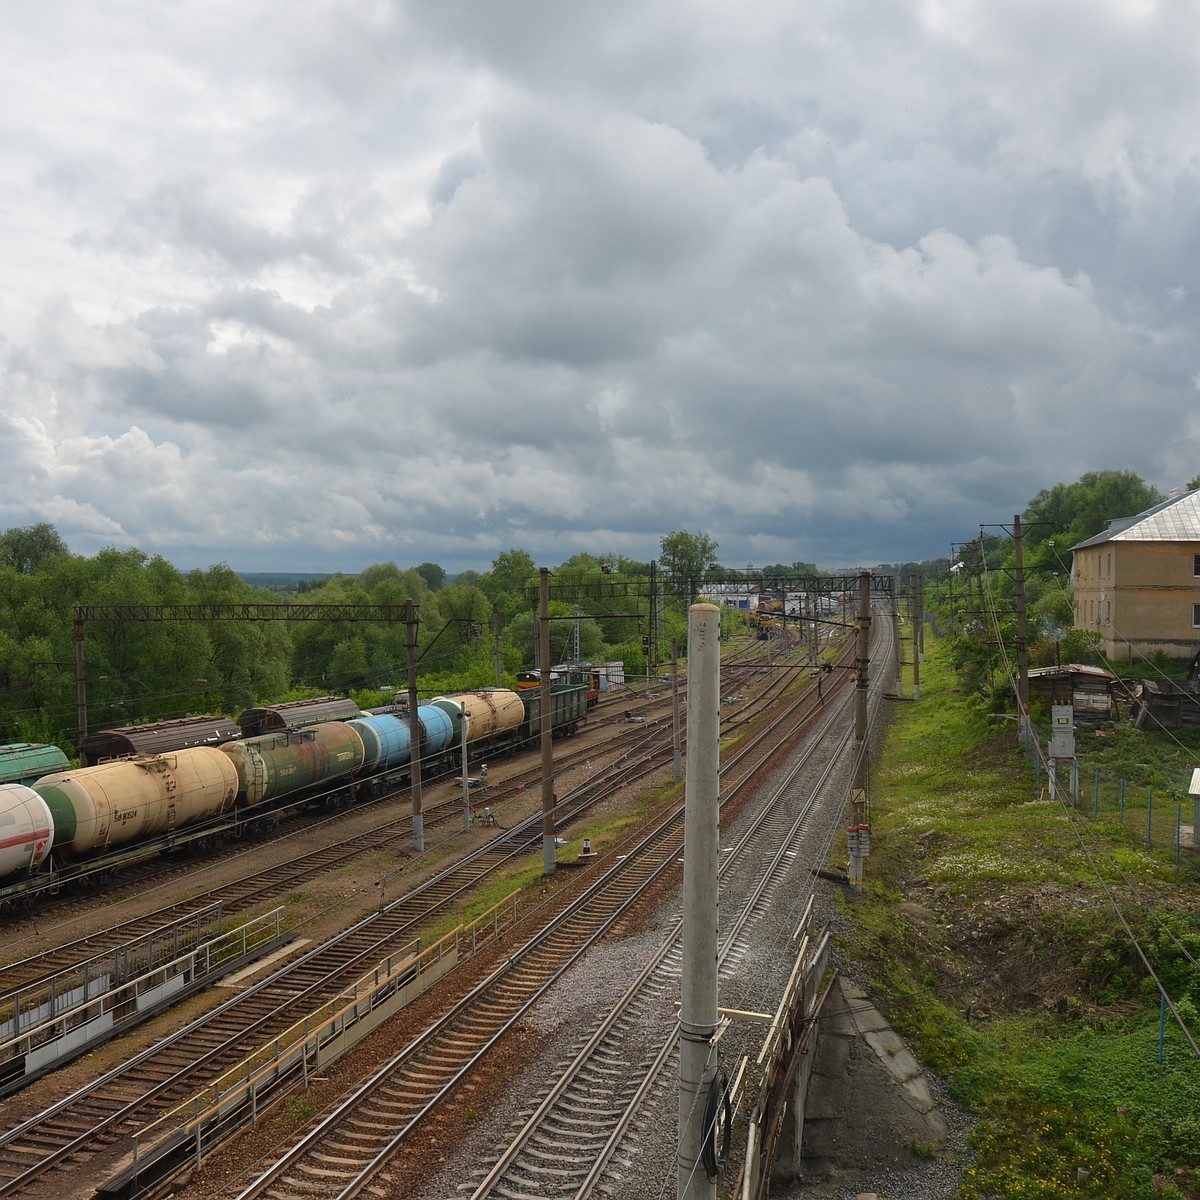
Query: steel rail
point(573, 1089)
point(659, 971)
point(310, 1156)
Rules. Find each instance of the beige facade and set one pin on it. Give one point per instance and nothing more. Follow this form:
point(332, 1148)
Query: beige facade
point(1141, 595)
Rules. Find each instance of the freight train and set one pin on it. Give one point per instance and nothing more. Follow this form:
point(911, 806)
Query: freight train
point(68, 824)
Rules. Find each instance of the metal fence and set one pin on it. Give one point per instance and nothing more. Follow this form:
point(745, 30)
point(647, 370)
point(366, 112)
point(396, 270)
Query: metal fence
point(1158, 822)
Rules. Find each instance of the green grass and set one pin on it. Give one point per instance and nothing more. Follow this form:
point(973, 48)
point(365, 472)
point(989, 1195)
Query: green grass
point(991, 943)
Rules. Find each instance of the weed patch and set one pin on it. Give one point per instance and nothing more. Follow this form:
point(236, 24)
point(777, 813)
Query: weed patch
point(988, 928)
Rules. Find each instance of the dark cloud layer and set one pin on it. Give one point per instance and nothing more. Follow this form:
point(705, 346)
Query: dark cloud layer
point(430, 280)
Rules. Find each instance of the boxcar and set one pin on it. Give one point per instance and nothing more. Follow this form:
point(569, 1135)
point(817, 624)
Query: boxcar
point(159, 737)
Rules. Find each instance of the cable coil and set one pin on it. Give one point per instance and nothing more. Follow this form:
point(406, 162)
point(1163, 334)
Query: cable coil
point(718, 1125)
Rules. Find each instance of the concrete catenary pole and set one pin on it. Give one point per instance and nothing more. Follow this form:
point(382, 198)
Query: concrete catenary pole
point(698, 989)
point(859, 840)
point(1022, 632)
point(466, 779)
point(414, 725)
point(496, 631)
point(81, 707)
point(675, 709)
point(896, 639)
point(549, 848)
point(652, 640)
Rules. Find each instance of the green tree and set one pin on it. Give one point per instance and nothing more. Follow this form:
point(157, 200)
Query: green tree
point(26, 549)
point(1069, 513)
point(507, 584)
point(433, 575)
point(685, 559)
point(249, 662)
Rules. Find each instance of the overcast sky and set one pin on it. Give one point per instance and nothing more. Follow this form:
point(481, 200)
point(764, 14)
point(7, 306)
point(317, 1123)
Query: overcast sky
point(318, 285)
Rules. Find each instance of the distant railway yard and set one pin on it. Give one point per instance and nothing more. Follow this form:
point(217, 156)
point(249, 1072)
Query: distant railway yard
point(380, 1016)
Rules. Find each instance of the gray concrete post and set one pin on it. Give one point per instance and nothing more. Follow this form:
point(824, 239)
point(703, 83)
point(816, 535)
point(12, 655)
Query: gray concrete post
point(549, 837)
point(701, 840)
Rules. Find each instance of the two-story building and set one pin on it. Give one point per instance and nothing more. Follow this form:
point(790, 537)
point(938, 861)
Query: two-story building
point(1138, 582)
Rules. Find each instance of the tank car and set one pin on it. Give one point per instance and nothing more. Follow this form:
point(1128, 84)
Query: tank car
point(287, 764)
point(26, 829)
point(23, 762)
point(492, 714)
point(132, 799)
point(387, 739)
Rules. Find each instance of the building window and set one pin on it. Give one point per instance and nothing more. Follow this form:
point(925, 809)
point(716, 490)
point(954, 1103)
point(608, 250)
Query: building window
point(1196, 616)
point(1196, 564)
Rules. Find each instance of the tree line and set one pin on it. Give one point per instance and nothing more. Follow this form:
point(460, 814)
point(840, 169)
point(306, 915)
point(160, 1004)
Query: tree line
point(151, 671)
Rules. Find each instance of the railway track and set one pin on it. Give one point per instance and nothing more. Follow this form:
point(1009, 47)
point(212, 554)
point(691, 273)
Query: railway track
point(350, 1149)
point(101, 1114)
point(580, 1124)
point(258, 887)
point(567, 1146)
point(77, 1127)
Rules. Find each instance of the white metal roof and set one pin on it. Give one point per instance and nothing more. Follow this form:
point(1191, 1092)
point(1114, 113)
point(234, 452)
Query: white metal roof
point(1176, 520)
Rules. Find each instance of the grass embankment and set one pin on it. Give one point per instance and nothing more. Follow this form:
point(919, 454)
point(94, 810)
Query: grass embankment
point(986, 931)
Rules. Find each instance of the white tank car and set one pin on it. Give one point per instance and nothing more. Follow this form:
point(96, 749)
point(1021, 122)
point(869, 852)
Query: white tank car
point(128, 799)
point(26, 830)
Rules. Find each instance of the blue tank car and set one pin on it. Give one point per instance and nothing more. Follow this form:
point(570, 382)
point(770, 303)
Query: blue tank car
point(387, 742)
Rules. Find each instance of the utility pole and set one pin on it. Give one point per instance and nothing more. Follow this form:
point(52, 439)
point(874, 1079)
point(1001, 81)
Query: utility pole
point(899, 645)
point(414, 725)
point(950, 587)
point(675, 708)
point(81, 708)
point(918, 619)
point(921, 614)
point(980, 566)
point(466, 779)
point(859, 839)
point(549, 838)
point(1022, 635)
point(496, 642)
point(652, 645)
point(698, 1017)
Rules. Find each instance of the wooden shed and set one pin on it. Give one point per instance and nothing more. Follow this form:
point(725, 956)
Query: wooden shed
point(1088, 690)
point(1167, 703)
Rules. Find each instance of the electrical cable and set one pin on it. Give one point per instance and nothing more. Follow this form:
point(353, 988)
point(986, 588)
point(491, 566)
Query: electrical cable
point(718, 1125)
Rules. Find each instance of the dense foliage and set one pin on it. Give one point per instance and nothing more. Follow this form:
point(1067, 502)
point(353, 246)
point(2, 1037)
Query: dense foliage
point(997, 928)
point(974, 593)
point(473, 631)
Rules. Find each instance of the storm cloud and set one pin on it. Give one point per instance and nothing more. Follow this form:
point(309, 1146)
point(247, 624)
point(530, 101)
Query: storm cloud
point(425, 281)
